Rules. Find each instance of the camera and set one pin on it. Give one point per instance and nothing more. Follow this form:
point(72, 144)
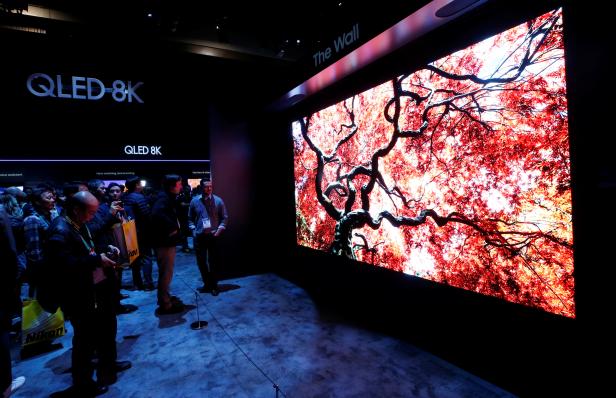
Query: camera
point(112, 255)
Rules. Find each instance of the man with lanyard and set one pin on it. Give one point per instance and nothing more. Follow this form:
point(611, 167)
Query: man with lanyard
point(207, 217)
point(86, 296)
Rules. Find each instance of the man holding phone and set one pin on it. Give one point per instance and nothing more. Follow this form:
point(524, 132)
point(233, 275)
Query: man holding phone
point(83, 277)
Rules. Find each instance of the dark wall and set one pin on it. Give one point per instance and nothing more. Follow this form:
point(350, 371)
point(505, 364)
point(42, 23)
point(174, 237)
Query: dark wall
point(51, 120)
point(524, 350)
point(51, 127)
point(235, 180)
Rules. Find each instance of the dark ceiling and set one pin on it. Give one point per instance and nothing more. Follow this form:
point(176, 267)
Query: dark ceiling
point(289, 31)
point(275, 39)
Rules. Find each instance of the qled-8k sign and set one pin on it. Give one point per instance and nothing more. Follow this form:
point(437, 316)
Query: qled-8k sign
point(458, 172)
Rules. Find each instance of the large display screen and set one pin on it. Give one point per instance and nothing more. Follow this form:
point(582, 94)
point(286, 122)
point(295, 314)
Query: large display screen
point(458, 172)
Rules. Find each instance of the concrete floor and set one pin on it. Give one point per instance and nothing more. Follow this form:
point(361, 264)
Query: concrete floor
point(262, 330)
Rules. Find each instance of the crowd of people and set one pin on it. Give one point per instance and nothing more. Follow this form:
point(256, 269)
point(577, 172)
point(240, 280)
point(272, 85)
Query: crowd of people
point(61, 244)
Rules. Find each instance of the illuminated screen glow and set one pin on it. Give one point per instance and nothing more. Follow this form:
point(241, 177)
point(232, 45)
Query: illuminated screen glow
point(458, 172)
point(194, 182)
point(119, 182)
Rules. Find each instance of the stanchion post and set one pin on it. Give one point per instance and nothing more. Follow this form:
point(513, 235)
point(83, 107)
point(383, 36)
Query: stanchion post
point(198, 324)
point(277, 389)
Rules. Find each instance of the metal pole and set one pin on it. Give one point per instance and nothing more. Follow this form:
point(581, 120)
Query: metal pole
point(199, 324)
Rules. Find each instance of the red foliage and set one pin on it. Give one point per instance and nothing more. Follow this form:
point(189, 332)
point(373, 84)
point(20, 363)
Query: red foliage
point(464, 170)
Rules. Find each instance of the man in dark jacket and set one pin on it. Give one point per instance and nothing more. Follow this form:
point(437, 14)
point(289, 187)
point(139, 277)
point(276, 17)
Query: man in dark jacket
point(86, 295)
point(165, 236)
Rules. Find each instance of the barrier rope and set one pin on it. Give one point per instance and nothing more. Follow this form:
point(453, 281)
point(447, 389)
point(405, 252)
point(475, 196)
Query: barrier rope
point(213, 317)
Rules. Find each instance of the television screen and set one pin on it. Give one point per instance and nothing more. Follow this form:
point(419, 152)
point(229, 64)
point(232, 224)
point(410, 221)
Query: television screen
point(194, 182)
point(119, 182)
point(458, 172)
point(20, 187)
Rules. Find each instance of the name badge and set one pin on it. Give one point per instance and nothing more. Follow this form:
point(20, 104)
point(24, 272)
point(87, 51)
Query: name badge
point(206, 224)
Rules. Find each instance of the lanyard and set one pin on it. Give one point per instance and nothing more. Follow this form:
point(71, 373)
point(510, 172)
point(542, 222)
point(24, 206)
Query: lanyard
point(89, 244)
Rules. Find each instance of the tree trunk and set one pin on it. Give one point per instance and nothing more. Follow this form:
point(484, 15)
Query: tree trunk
point(343, 235)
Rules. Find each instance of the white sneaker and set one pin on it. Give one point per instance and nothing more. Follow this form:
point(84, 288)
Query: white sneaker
point(17, 383)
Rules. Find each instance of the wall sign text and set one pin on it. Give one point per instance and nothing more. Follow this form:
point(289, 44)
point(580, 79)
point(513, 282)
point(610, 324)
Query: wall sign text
point(342, 41)
point(142, 150)
point(82, 88)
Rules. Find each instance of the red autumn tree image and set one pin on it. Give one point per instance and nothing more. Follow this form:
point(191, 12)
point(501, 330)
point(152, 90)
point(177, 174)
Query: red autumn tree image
point(458, 173)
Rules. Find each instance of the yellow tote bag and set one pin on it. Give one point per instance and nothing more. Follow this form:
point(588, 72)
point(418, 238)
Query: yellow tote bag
point(130, 237)
point(38, 325)
point(125, 238)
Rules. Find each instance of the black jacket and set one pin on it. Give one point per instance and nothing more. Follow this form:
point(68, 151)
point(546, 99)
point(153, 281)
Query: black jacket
point(69, 266)
point(138, 207)
point(165, 224)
